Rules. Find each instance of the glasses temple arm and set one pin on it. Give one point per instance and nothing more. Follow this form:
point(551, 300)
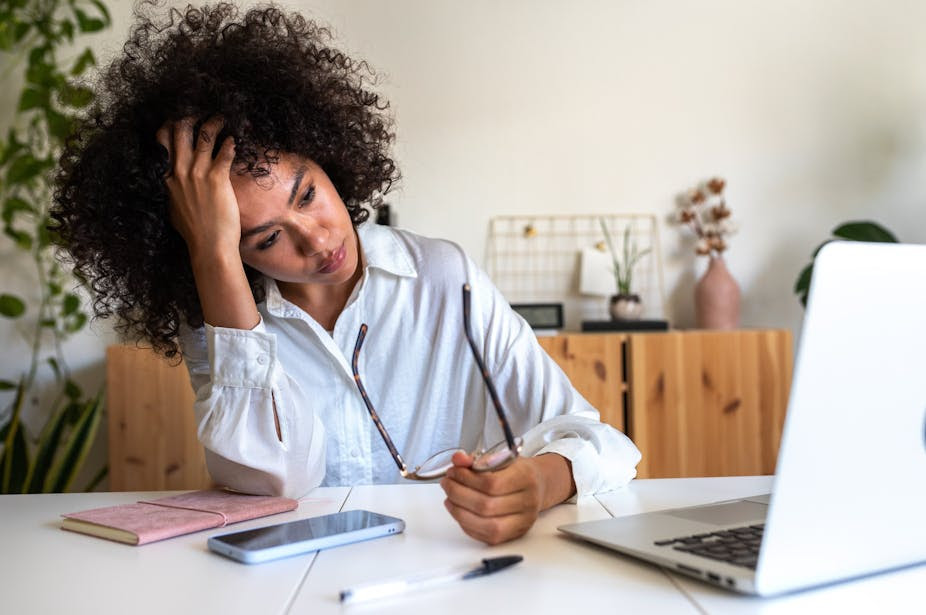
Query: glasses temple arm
point(366, 400)
point(506, 428)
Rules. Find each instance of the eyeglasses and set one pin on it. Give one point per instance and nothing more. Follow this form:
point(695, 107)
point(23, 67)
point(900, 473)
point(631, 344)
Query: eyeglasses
point(495, 457)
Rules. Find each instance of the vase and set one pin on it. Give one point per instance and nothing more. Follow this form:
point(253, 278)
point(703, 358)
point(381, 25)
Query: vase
point(625, 307)
point(717, 297)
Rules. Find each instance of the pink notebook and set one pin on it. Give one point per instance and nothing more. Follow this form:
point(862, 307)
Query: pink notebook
point(151, 520)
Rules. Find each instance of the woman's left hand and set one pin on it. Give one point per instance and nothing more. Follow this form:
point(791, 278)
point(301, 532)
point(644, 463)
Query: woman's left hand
point(498, 506)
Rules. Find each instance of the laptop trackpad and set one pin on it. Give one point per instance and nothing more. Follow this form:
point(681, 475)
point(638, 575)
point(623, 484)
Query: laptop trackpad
point(731, 513)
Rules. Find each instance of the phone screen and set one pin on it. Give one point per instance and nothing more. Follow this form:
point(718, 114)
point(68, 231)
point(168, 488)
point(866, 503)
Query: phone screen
point(305, 529)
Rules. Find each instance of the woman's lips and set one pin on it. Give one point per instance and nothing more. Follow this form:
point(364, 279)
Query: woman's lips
point(335, 261)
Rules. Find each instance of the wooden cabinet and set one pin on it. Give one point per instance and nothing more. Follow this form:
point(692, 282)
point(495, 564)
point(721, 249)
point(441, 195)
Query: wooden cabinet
point(707, 403)
point(152, 434)
point(696, 403)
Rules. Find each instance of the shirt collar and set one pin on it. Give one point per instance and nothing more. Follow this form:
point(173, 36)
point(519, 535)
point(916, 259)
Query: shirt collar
point(381, 249)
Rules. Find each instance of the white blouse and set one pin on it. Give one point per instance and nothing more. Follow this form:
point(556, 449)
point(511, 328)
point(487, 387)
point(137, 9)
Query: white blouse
point(416, 367)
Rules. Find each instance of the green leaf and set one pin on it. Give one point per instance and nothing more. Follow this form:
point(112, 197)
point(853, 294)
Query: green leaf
point(6, 36)
point(54, 289)
point(88, 24)
point(75, 96)
point(67, 29)
point(864, 231)
point(11, 461)
point(11, 147)
point(13, 205)
point(97, 479)
point(18, 460)
point(11, 306)
point(58, 125)
point(72, 457)
point(53, 363)
point(20, 30)
point(802, 286)
point(25, 168)
point(6, 385)
point(76, 324)
point(22, 239)
point(48, 323)
point(70, 304)
point(33, 98)
point(104, 12)
point(38, 54)
point(44, 235)
point(72, 390)
point(45, 452)
point(41, 73)
point(84, 61)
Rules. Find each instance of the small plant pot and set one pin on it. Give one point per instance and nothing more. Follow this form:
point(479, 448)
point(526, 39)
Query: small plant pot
point(625, 307)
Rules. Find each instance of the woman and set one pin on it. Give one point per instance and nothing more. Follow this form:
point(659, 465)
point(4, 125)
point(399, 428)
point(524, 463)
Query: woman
point(215, 200)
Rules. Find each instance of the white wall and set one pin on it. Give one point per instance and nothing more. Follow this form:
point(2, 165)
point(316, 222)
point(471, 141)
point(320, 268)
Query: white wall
point(815, 112)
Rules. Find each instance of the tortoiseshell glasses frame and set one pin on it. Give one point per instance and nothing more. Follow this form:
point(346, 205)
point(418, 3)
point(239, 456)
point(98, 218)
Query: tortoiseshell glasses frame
point(495, 457)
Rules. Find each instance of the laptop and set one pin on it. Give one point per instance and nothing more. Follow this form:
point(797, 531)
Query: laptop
point(849, 494)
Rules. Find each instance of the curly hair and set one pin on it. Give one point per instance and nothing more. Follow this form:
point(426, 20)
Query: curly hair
point(280, 87)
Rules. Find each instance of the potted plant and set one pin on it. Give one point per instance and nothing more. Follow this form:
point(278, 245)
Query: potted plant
point(717, 296)
point(626, 304)
point(50, 100)
point(859, 230)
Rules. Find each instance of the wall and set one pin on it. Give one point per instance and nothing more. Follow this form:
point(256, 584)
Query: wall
point(815, 112)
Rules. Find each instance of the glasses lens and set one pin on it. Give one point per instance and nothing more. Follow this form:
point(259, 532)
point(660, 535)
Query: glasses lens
point(437, 464)
point(496, 457)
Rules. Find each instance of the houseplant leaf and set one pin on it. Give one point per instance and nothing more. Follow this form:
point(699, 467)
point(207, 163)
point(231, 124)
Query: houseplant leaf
point(11, 306)
point(859, 230)
point(45, 453)
point(13, 462)
point(67, 465)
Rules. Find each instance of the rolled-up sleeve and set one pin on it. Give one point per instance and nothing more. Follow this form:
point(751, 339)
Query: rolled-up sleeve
point(239, 384)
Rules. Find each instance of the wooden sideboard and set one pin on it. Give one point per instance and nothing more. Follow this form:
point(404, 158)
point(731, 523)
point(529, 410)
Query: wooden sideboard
point(696, 403)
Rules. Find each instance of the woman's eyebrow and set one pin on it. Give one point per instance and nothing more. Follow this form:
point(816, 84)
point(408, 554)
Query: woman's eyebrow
point(297, 181)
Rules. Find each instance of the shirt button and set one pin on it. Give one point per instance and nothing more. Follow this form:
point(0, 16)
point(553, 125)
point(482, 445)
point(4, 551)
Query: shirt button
point(262, 359)
point(354, 453)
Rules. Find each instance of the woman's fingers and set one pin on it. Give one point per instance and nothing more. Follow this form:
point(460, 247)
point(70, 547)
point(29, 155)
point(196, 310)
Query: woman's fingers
point(486, 505)
point(491, 530)
point(183, 145)
point(205, 144)
point(226, 156)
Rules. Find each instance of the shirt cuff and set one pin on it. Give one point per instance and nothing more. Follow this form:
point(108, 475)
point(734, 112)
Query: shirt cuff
point(241, 358)
point(583, 459)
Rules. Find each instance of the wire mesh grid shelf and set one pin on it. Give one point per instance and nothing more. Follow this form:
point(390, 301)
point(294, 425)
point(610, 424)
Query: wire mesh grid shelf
point(536, 259)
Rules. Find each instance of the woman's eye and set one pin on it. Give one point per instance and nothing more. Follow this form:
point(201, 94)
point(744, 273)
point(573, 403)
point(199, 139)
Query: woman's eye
point(308, 196)
point(269, 241)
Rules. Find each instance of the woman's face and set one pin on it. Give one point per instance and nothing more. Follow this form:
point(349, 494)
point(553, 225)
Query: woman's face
point(294, 226)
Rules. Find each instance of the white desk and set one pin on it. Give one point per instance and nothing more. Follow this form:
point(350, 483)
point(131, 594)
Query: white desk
point(45, 570)
point(895, 592)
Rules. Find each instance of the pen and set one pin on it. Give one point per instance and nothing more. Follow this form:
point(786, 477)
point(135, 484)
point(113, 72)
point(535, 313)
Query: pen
point(426, 580)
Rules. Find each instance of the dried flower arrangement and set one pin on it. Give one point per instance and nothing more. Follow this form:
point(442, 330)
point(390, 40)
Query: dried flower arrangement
point(704, 209)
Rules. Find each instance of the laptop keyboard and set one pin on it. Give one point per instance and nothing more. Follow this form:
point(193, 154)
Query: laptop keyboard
point(738, 546)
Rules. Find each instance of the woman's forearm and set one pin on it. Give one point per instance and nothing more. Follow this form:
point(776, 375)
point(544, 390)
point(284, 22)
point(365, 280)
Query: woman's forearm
point(224, 291)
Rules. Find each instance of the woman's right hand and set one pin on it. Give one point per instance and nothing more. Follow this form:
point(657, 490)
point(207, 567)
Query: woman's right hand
point(203, 207)
point(204, 210)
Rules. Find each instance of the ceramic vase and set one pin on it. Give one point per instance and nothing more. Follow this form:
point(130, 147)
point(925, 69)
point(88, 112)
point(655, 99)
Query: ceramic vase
point(717, 297)
point(625, 307)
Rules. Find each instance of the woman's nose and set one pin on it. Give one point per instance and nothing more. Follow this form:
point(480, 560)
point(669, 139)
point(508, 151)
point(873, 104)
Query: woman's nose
point(311, 237)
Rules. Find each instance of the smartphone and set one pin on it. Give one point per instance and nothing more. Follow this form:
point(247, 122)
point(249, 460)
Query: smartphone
point(304, 536)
